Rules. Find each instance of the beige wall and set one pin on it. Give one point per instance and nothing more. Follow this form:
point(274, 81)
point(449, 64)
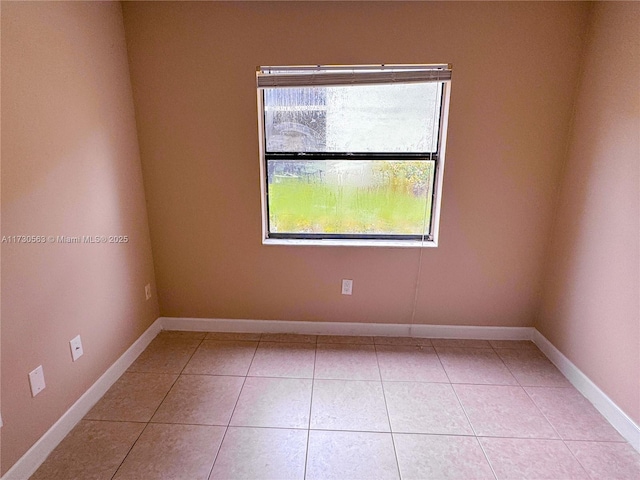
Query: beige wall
point(70, 166)
point(0, 234)
point(591, 306)
point(515, 68)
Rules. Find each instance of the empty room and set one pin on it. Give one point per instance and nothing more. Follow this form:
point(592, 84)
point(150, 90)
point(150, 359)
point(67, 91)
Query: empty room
point(320, 240)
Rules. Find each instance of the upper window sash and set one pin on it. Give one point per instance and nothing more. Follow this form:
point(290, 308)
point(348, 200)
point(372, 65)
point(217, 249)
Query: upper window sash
point(323, 75)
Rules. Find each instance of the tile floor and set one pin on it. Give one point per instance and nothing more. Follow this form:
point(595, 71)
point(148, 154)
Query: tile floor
point(278, 406)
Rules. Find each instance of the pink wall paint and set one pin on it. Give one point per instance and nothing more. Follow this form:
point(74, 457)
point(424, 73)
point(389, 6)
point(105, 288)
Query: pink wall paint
point(70, 166)
point(515, 67)
point(591, 306)
point(0, 242)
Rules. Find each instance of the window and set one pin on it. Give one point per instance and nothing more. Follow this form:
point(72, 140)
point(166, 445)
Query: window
point(352, 155)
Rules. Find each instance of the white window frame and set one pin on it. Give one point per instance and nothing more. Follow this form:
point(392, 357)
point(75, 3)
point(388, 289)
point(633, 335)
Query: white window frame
point(327, 75)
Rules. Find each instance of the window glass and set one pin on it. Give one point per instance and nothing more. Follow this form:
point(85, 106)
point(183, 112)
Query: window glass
point(350, 197)
point(364, 118)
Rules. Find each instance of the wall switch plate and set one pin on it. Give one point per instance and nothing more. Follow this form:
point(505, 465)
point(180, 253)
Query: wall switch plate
point(1, 422)
point(347, 287)
point(76, 348)
point(36, 380)
point(147, 291)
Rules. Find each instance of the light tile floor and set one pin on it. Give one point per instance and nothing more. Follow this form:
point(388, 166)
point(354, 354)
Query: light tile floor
point(279, 406)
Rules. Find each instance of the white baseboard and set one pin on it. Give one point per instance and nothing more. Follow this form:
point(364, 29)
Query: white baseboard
point(607, 407)
point(344, 328)
point(614, 414)
point(33, 458)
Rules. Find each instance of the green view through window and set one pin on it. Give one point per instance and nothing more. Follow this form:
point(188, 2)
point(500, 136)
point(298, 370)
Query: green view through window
point(352, 153)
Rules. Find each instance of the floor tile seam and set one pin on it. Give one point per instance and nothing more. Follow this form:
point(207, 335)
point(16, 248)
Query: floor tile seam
point(429, 434)
point(133, 444)
point(386, 407)
point(242, 376)
point(111, 421)
point(464, 410)
point(342, 379)
point(183, 374)
point(276, 377)
point(475, 433)
point(622, 440)
point(346, 380)
point(147, 423)
point(417, 381)
point(175, 381)
point(512, 372)
point(516, 437)
point(458, 383)
point(520, 382)
point(306, 453)
point(565, 387)
point(584, 467)
point(336, 429)
point(559, 437)
point(617, 442)
point(267, 427)
point(573, 455)
point(392, 431)
point(235, 405)
point(215, 457)
point(541, 412)
point(403, 345)
point(413, 347)
point(501, 362)
point(191, 356)
point(442, 366)
point(486, 457)
point(538, 385)
point(214, 340)
point(223, 425)
point(474, 347)
point(157, 372)
point(434, 434)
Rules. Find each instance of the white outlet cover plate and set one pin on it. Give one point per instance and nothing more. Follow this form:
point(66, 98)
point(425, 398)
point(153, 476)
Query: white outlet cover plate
point(36, 380)
point(347, 287)
point(76, 348)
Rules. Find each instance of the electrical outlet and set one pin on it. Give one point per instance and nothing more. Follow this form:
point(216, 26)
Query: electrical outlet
point(36, 380)
point(147, 291)
point(76, 348)
point(347, 287)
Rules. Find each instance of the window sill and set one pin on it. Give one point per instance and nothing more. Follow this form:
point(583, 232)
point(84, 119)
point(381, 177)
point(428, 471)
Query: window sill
point(351, 243)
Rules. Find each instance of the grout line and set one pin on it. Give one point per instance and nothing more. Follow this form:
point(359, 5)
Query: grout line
point(466, 415)
point(129, 451)
point(386, 406)
point(578, 460)
point(224, 435)
point(313, 380)
point(540, 410)
point(486, 457)
point(161, 402)
point(508, 369)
